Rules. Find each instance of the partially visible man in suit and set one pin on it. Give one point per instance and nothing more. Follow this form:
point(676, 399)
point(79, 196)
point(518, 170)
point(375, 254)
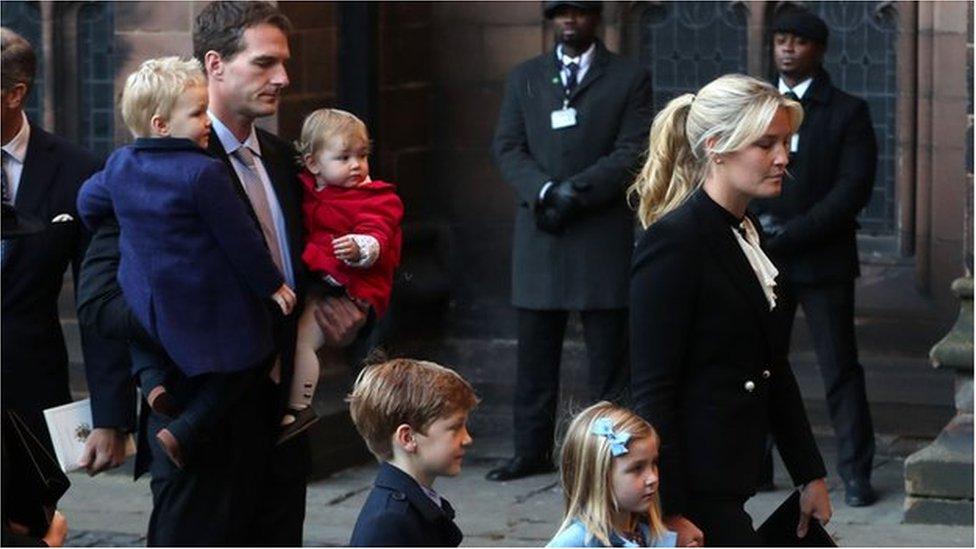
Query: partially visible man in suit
point(811, 228)
point(570, 133)
point(41, 174)
point(241, 489)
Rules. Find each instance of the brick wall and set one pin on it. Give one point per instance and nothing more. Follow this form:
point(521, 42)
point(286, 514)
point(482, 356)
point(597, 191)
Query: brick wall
point(312, 69)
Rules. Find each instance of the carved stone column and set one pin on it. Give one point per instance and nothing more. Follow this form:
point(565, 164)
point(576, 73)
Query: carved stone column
point(939, 477)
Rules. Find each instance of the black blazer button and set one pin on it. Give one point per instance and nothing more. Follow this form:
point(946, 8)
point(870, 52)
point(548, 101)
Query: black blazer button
point(399, 496)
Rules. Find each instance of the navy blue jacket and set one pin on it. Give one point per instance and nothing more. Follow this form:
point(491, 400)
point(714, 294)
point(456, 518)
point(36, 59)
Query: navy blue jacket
point(398, 513)
point(195, 269)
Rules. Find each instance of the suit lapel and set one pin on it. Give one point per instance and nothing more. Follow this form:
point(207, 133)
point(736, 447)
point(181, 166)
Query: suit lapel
point(594, 72)
point(40, 169)
point(216, 150)
point(285, 184)
point(732, 259)
point(548, 81)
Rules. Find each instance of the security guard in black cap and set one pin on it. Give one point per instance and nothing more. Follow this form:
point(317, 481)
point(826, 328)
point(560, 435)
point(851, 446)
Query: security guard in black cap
point(811, 228)
point(570, 133)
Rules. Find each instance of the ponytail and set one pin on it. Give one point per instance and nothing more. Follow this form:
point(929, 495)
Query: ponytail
point(671, 172)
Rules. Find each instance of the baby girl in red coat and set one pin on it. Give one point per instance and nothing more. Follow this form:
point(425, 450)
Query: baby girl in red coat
point(352, 238)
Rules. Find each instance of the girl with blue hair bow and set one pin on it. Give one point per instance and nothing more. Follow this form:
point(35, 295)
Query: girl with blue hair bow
point(609, 477)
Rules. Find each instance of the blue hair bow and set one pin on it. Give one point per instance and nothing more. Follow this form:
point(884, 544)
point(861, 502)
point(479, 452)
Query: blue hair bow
point(618, 441)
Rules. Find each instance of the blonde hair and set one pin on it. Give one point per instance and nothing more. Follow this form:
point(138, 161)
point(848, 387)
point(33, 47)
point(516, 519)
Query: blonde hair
point(733, 109)
point(404, 391)
point(322, 125)
point(586, 468)
point(154, 88)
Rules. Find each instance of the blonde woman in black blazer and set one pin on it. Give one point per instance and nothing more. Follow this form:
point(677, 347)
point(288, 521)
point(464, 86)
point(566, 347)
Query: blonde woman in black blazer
point(704, 372)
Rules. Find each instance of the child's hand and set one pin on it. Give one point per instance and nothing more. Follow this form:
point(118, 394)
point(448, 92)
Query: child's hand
point(346, 249)
point(285, 298)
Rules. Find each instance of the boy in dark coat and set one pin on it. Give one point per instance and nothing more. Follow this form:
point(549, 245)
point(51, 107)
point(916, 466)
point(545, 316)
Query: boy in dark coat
point(413, 416)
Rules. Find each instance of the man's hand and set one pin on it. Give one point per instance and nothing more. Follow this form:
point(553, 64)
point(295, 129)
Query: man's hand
point(688, 534)
point(558, 207)
point(104, 449)
point(340, 318)
point(814, 502)
point(346, 249)
point(57, 531)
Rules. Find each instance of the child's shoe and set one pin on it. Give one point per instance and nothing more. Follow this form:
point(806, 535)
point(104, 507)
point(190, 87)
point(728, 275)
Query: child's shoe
point(302, 420)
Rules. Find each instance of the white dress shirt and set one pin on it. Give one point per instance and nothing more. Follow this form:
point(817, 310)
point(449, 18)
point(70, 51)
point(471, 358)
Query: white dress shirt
point(16, 148)
point(800, 90)
point(584, 61)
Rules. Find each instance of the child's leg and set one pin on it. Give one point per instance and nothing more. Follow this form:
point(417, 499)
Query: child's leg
point(310, 340)
point(151, 370)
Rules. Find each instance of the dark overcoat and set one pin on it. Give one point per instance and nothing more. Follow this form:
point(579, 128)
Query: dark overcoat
point(35, 359)
point(397, 513)
point(814, 221)
point(704, 370)
point(584, 267)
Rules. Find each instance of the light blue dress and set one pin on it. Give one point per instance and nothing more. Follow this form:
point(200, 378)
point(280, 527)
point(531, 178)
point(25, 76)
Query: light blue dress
point(576, 535)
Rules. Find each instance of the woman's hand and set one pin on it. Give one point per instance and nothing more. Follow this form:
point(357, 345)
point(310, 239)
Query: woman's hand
point(814, 502)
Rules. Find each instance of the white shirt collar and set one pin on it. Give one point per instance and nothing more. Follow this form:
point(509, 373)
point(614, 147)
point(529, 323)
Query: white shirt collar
point(229, 141)
point(583, 60)
point(800, 89)
point(17, 147)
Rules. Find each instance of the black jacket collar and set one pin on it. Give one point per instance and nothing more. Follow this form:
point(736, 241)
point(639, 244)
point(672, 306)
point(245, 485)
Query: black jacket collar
point(392, 478)
point(166, 144)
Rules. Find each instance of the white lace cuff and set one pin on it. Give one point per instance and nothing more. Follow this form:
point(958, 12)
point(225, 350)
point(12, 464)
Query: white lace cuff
point(369, 251)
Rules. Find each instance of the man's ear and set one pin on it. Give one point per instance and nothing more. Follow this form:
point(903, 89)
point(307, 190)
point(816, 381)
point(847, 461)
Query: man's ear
point(405, 439)
point(159, 125)
point(14, 97)
point(213, 64)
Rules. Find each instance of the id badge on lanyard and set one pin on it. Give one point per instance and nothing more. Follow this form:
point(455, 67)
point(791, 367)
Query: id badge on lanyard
point(564, 117)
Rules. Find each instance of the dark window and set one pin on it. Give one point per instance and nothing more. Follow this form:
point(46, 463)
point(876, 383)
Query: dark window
point(688, 44)
point(861, 60)
point(96, 77)
point(24, 18)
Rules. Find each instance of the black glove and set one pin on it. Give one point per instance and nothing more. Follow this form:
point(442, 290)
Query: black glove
point(559, 206)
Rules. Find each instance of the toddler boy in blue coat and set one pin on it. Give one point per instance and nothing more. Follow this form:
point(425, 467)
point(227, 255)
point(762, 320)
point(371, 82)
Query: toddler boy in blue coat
point(194, 268)
point(413, 416)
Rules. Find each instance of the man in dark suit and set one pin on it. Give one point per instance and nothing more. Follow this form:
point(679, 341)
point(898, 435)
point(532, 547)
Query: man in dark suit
point(41, 176)
point(812, 227)
point(241, 488)
point(570, 133)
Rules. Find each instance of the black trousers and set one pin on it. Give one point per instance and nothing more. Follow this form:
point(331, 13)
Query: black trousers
point(723, 520)
point(540, 345)
point(829, 310)
point(238, 489)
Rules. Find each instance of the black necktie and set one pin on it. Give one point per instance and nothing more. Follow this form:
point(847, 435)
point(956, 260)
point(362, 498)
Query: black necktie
point(791, 95)
point(3, 177)
point(571, 81)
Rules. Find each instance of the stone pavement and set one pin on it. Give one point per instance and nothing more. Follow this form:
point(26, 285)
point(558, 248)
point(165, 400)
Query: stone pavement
point(112, 510)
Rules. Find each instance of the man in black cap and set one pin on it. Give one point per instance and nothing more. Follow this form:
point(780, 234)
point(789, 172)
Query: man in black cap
point(811, 228)
point(570, 134)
